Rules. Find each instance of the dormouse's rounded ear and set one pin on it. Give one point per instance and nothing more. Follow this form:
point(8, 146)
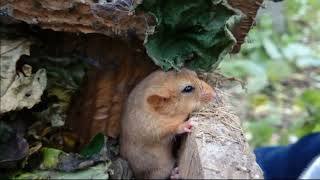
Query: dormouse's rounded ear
point(158, 103)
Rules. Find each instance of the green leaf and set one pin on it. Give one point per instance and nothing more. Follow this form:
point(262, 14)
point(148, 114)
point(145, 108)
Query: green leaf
point(317, 128)
point(295, 50)
point(261, 131)
point(57, 160)
point(310, 101)
point(254, 73)
point(307, 62)
point(95, 146)
point(311, 98)
point(50, 158)
point(193, 31)
point(278, 69)
point(99, 171)
point(57, 164)
point(259, 100)
point(273, 119)
point(271, 49)
point(305, 129)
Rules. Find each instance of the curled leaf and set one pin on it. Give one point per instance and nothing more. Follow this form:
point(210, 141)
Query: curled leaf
point(95, 146)
point(24, 92)
point(50, 158)
point(10, 52)
point(192, 33)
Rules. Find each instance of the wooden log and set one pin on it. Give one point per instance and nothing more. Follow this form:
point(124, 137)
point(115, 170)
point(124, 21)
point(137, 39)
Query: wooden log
point(250, 9)
point(217, 149)
point(88, 16)
point(103, 95)
point(118, 67)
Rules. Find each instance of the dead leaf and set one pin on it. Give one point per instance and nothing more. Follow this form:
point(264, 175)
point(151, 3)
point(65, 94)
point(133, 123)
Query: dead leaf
point(24, 92)
point(10, 52)
point(18, 89)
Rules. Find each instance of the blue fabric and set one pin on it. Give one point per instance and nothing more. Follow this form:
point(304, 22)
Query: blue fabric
point(288, 162)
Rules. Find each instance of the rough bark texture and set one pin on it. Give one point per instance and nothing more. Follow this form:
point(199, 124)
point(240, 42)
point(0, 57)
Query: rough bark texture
point(86, 16)
point(118, 67)
point(106, 88)
point(217, 149)
point(78, 16)
point(250, 9)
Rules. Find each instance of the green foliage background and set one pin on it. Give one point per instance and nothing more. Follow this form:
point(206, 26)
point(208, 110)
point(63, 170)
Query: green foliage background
point(282, 72)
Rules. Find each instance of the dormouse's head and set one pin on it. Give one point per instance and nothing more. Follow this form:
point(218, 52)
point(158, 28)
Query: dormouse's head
point(175, 93)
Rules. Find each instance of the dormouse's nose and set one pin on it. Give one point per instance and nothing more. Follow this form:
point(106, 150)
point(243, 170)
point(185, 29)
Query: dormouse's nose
point(207, 92)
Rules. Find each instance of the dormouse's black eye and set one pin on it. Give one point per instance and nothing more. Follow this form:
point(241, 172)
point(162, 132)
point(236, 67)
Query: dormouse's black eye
point(188, 89)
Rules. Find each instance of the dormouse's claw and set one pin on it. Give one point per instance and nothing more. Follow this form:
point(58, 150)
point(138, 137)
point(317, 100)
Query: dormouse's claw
point(190, 124)
point(187, 130)
point(175, 173)
point(185, 127)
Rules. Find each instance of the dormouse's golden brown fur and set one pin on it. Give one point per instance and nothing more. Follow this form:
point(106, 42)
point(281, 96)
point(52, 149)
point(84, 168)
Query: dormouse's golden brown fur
point(154, 113)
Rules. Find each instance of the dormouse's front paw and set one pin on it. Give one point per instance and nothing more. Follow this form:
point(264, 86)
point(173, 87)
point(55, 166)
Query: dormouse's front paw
point(175, 174)
point(185, 127)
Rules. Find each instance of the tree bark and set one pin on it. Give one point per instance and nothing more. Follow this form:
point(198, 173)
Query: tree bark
point(86, 16)
point(217, 149)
